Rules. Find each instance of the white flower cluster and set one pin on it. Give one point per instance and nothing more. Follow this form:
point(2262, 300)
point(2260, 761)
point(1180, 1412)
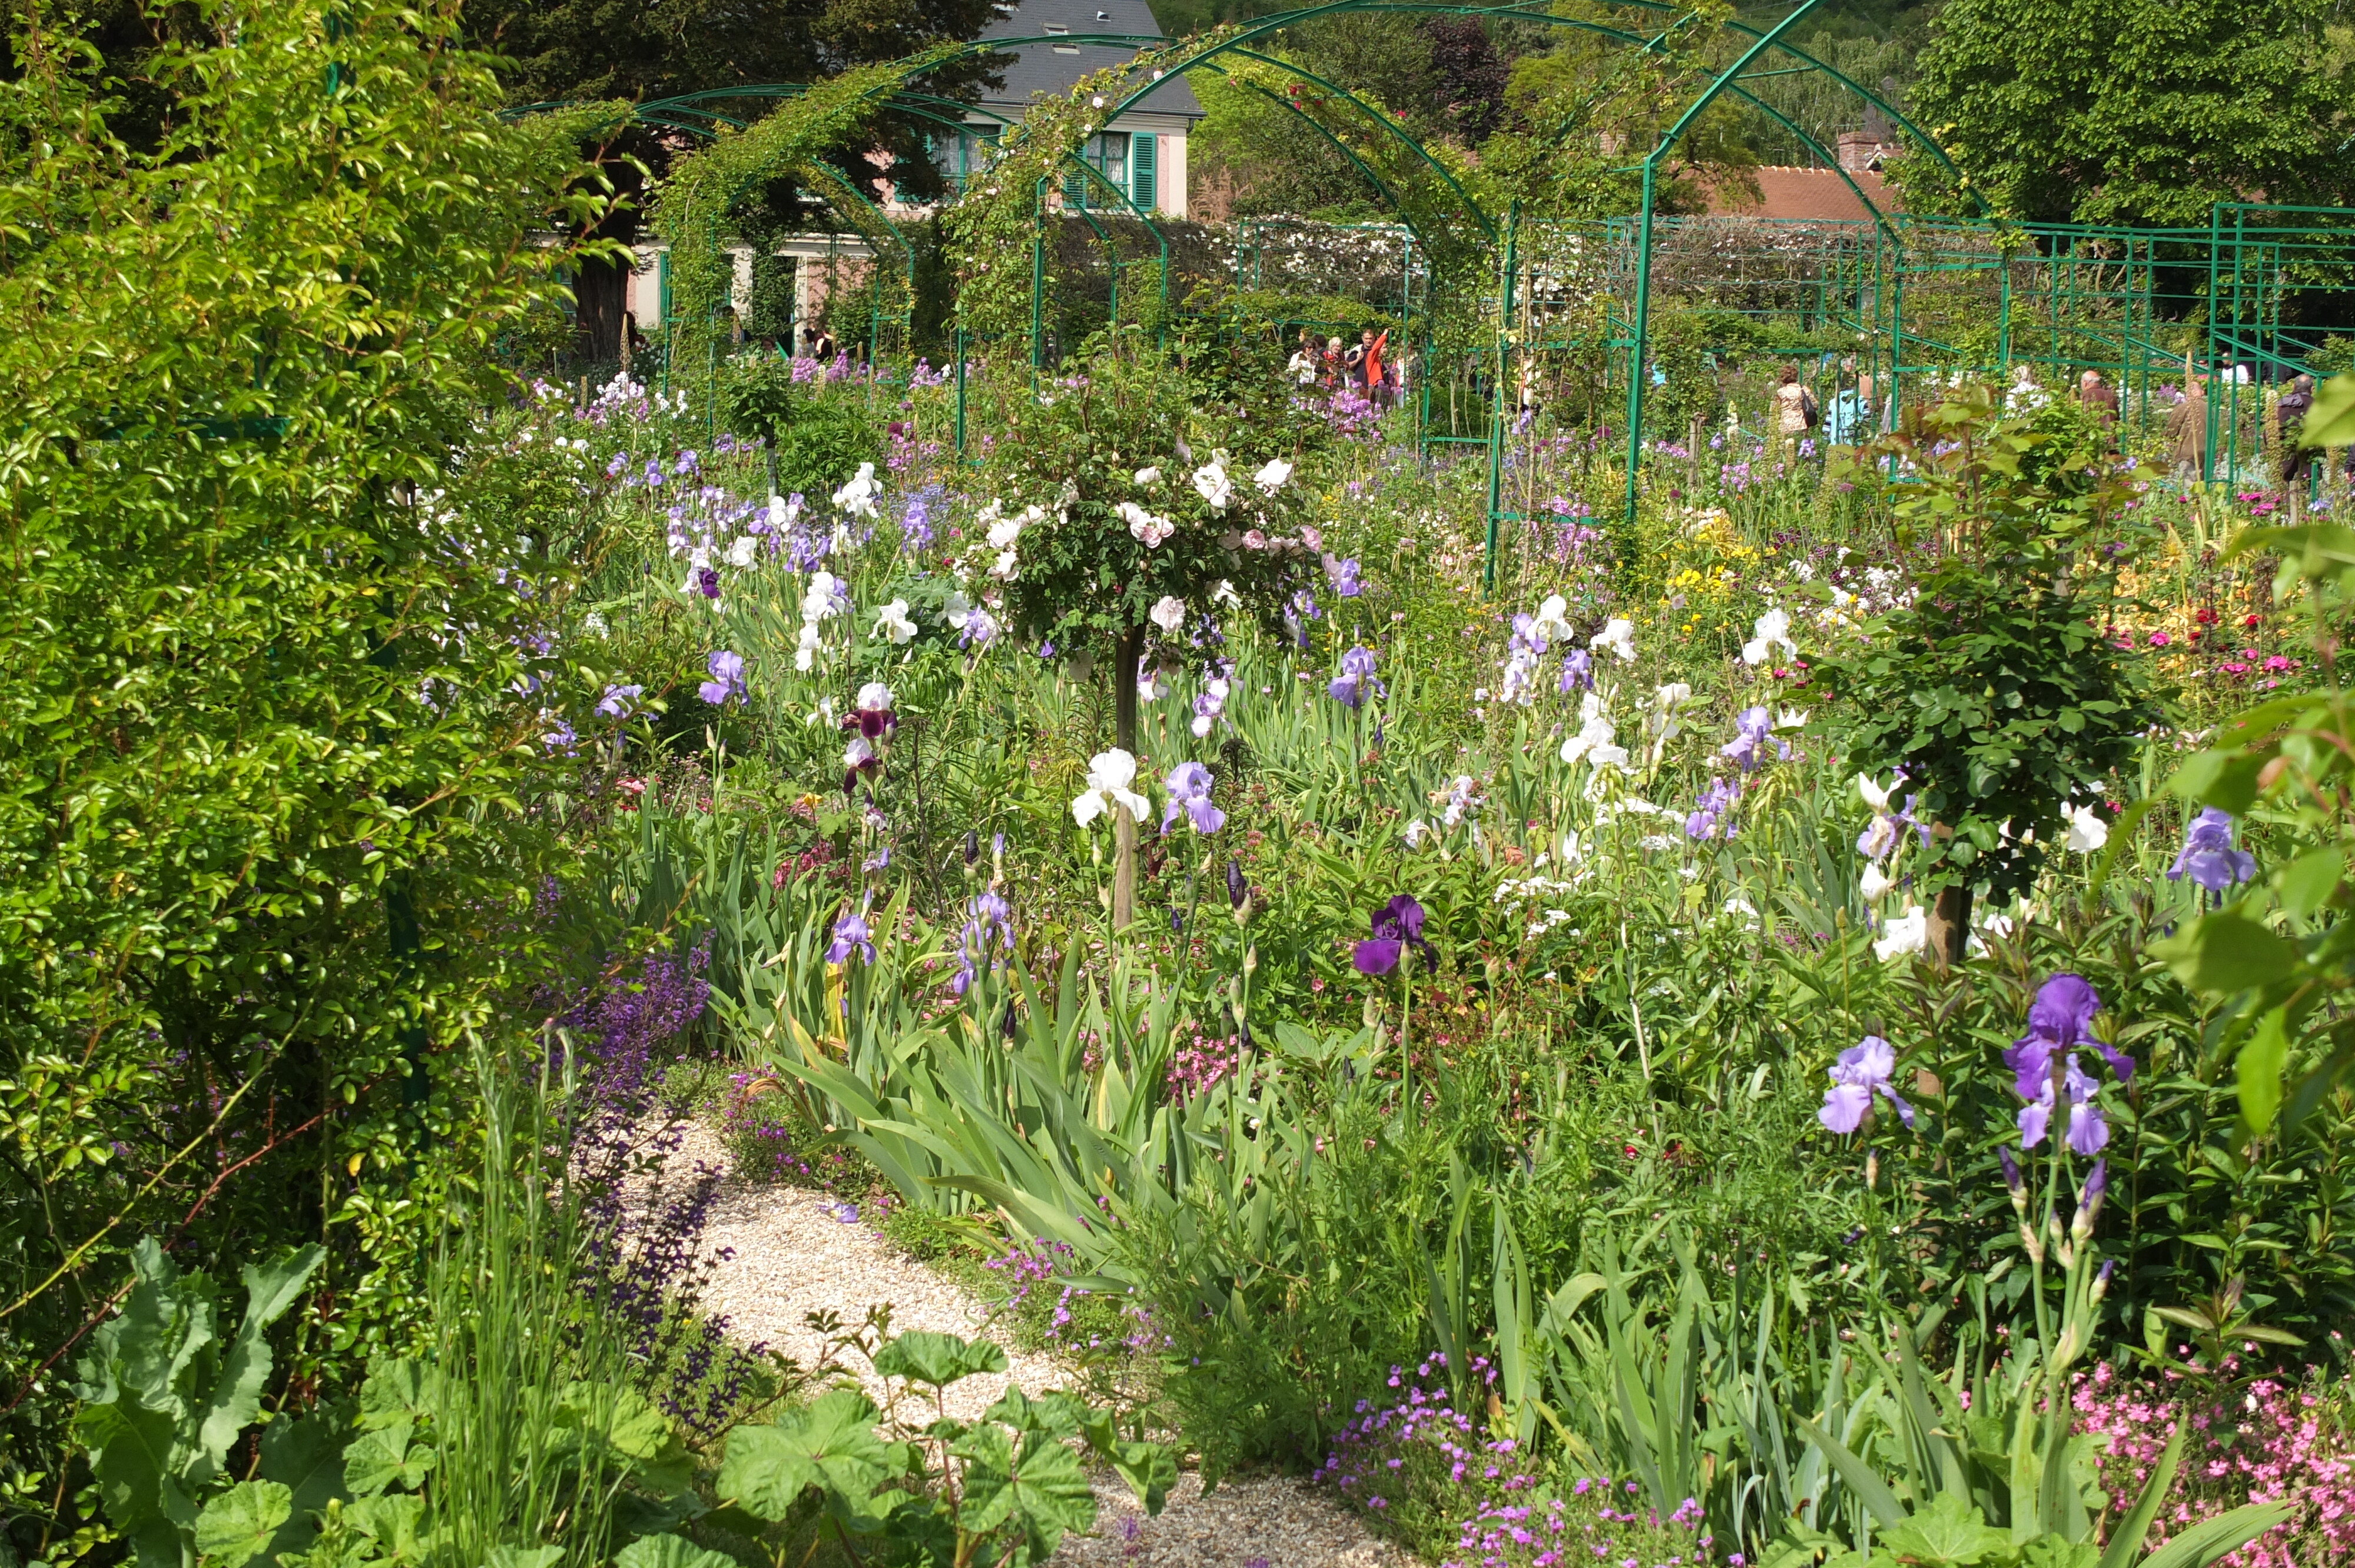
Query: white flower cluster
point(826, 598)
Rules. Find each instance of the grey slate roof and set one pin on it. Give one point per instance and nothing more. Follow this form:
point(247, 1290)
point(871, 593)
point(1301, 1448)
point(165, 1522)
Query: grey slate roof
point(1038, 67)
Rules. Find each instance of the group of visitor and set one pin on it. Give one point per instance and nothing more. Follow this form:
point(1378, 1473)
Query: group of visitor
point(1367, 367)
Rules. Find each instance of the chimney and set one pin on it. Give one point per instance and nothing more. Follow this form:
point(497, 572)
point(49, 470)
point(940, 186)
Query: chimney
point(1859, 150)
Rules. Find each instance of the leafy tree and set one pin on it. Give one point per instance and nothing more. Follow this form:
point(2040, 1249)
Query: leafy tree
point(2130, 110)
point(278, 688)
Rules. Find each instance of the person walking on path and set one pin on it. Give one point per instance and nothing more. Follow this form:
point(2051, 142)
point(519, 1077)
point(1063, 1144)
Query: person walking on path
point(1794, 414)
point(2187, 429)
point(2289, 429)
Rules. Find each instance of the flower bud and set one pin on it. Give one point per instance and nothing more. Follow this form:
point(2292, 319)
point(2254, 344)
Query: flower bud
point(1238, 890)
point(972, 849)
point(2015, 1181)
point(2028, 1241)
point(2089, 1201)
point(2102, 1278)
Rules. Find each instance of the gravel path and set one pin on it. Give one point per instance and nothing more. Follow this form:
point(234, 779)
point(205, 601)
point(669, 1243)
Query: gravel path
point(793, 1253)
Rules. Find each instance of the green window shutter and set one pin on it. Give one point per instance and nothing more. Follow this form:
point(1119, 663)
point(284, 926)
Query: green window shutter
point(1141, 148)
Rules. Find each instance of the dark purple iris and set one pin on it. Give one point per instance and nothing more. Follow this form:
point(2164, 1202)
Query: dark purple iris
point(1397, 925)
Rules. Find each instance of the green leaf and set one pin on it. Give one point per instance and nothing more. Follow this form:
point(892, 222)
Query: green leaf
point(2331, 421)
point(2055, 1551)
point(378, 1460)
point(236, 1525)
point(395, 1389)
point(2262, 1062)
point(523, 1557)
point(306, 1457)
point(2226, 951)
point(669, 1552)
point(1949, 1534)
point(938, 1360)
point(2310, 879)
point(628, 1425)
point(2203, 1543)
point(1870, 1488)
point(831, 1445)
point(1037, 1488)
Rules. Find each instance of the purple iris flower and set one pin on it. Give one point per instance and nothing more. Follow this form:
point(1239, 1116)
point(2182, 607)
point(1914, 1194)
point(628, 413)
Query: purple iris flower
point(1577, 671)
point(1356, 674)
point(1190, 794)
point(1862, 1071)
point(617, 700)
point(1753, 729)
point(1708, 820)
point(2208, 858)
point(727, 681)
point(851, 936)
point(706, 582)
point(988, 931)
point(2061, 1018)
point(1344, 576)
point(1397, 925)
point(2089, 1129)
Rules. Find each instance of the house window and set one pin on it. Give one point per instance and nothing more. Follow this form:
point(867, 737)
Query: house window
point(1058, 30)
point(1108, 155)
point(964, 154)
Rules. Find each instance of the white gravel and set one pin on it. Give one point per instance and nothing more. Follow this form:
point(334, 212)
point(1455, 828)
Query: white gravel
point(792, 1252)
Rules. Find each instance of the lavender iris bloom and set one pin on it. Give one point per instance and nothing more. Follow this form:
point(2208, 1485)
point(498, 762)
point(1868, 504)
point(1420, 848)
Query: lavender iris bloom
point(2089, 1129)
point(1862, 1071)
point(988, 931)
point(2061, 1017)
point(727, 681)
point(2208, 858)
point(1356, 674)
point(618, 700)
point(851, 936)
point(1753, 730)
point(1345, 577)
point(1190, 794)
point(1577, 671)
point(1397, 925)
point(1710, 819)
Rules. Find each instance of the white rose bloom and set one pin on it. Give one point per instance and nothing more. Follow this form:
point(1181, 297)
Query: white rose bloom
point(1213, 485)
point(1908, 934)
point(1144, 525)
point(1110, 774)
point(1008, 564)
point(1169, 614)
point(892, 625)
point(2087, 832)
point(1006, 530)
point(1224, 593)
point(1148, 476)
point(1617, 635)
point(1271, 479)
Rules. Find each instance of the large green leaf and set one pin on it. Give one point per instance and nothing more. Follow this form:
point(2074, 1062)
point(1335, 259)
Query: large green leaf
point(1035, 1487)
point(2331, 421)
point(669, 1552)
point(383, 1459)
point(832, 1445)
point(938, 1360)
point(1949, 1534)
point(2226, 951)
point(1870, 1488)
point(2203, 1543)
point(306, 1457)
point(237, 1523)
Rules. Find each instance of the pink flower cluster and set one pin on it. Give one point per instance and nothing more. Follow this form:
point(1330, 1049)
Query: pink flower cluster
point(1422, 1467)
point(1194, 1069)
point(2267, 1440)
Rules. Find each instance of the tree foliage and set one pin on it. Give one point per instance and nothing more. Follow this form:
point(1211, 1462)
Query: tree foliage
point(283, 659)
point(2130, 110)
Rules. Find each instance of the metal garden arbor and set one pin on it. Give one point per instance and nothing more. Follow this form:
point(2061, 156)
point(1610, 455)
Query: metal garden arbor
point(2088, 295)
